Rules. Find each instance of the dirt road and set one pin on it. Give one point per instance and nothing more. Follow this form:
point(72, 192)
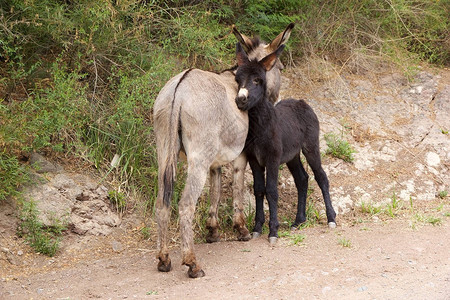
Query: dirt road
point(385, 260)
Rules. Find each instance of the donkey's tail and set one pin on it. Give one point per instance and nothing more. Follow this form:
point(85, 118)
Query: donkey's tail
point(167, 123)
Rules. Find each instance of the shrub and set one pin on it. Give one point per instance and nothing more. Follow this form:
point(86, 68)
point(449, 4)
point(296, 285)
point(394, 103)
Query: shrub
point(12, 176)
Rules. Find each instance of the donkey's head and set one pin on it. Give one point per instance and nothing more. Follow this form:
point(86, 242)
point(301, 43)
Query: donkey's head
point(251, 76)
point(257, 49)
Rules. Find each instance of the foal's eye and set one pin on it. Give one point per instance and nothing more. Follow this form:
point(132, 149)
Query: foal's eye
point(257, 81)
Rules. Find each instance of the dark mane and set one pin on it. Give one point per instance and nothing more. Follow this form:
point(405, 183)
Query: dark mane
point(256, 41)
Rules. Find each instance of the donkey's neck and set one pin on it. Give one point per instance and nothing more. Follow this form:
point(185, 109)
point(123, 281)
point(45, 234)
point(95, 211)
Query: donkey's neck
point(262, 117)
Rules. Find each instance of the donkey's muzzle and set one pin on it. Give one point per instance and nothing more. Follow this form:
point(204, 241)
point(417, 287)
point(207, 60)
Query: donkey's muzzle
point(241, 102)
point(242, 99)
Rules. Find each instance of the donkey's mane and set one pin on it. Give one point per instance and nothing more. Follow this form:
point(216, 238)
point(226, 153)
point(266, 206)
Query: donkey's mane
point(256, 41)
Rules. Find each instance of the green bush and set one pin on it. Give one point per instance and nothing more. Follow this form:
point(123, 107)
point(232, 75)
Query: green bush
point(12, 176)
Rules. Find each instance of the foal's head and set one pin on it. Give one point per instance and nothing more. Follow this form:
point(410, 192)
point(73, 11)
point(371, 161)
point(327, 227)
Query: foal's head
point(251, 77)
point(258, 49)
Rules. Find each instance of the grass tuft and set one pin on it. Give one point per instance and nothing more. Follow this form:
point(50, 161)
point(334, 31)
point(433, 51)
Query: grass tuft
point(345, 242)
point(338, 148)
point(42, 239)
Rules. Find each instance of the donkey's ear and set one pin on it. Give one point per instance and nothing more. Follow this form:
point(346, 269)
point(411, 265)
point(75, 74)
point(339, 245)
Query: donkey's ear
point(245, 41)
point(269, 61)
point(241, 56)
point(281, 39)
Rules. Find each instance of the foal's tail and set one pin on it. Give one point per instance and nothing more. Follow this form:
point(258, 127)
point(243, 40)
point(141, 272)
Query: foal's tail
point(167, 122)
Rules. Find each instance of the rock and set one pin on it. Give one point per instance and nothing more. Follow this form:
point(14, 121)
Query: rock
point(432, 159)
point(41, 164)
point(392, 80)
point(117, 246)
point(442, 107)
point(75, 200)
point(11, 258)
point(362, 289)
point(93, 217)
point(50, 202)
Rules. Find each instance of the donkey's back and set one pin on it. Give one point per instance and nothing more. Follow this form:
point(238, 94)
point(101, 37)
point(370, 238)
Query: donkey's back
point(192, 102)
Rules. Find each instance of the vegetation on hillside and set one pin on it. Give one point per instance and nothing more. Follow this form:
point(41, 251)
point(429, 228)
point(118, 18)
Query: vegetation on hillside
point(78, 78)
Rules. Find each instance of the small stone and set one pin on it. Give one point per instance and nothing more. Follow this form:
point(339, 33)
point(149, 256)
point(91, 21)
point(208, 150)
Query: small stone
point(326, 289)
point(362, 289)
point(20, 253)
point(117, 246)
point(12, 259)
point(433, 159)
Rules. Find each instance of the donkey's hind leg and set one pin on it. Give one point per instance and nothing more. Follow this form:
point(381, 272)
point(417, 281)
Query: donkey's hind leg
point(196, 178)
point(239, 165)
point(314, 161)
point(301, 183)
point(214, 196)
point(162, 219)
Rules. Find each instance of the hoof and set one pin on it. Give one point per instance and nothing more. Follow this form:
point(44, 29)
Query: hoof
point(245, 238)
point(212, 238)
point(272, 240)
point(164, 266)
point(332, 225)
point(195, 272)
point(255, 235)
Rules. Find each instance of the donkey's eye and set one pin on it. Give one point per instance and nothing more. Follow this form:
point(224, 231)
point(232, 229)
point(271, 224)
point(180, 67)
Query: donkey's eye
point(257, 81)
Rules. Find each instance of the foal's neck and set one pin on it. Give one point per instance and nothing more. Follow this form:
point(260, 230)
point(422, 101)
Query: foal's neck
point(263, 114)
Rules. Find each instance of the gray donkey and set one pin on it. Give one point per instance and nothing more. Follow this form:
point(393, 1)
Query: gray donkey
point(195, 112)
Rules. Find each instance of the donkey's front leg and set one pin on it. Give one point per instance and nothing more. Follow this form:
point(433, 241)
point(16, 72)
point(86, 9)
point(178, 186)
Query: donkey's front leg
point(214, 196)
point(259, 191)
point(272, 198)
point(239, 165)
point(194, 185)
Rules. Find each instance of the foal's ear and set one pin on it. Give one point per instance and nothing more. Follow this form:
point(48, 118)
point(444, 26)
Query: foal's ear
point(269, 61)
point(245, 41)
point(281, 39)
point(241, 56)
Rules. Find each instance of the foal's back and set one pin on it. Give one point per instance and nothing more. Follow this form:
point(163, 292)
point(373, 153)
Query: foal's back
point(299, 126)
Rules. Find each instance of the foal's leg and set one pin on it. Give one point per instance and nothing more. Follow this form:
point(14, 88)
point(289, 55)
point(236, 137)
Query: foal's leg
point(301, 183)
point(214, 196)
point(272, 198)
point(196, 178)
point(259, 191)
point(313, 158)
point(239, 165)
